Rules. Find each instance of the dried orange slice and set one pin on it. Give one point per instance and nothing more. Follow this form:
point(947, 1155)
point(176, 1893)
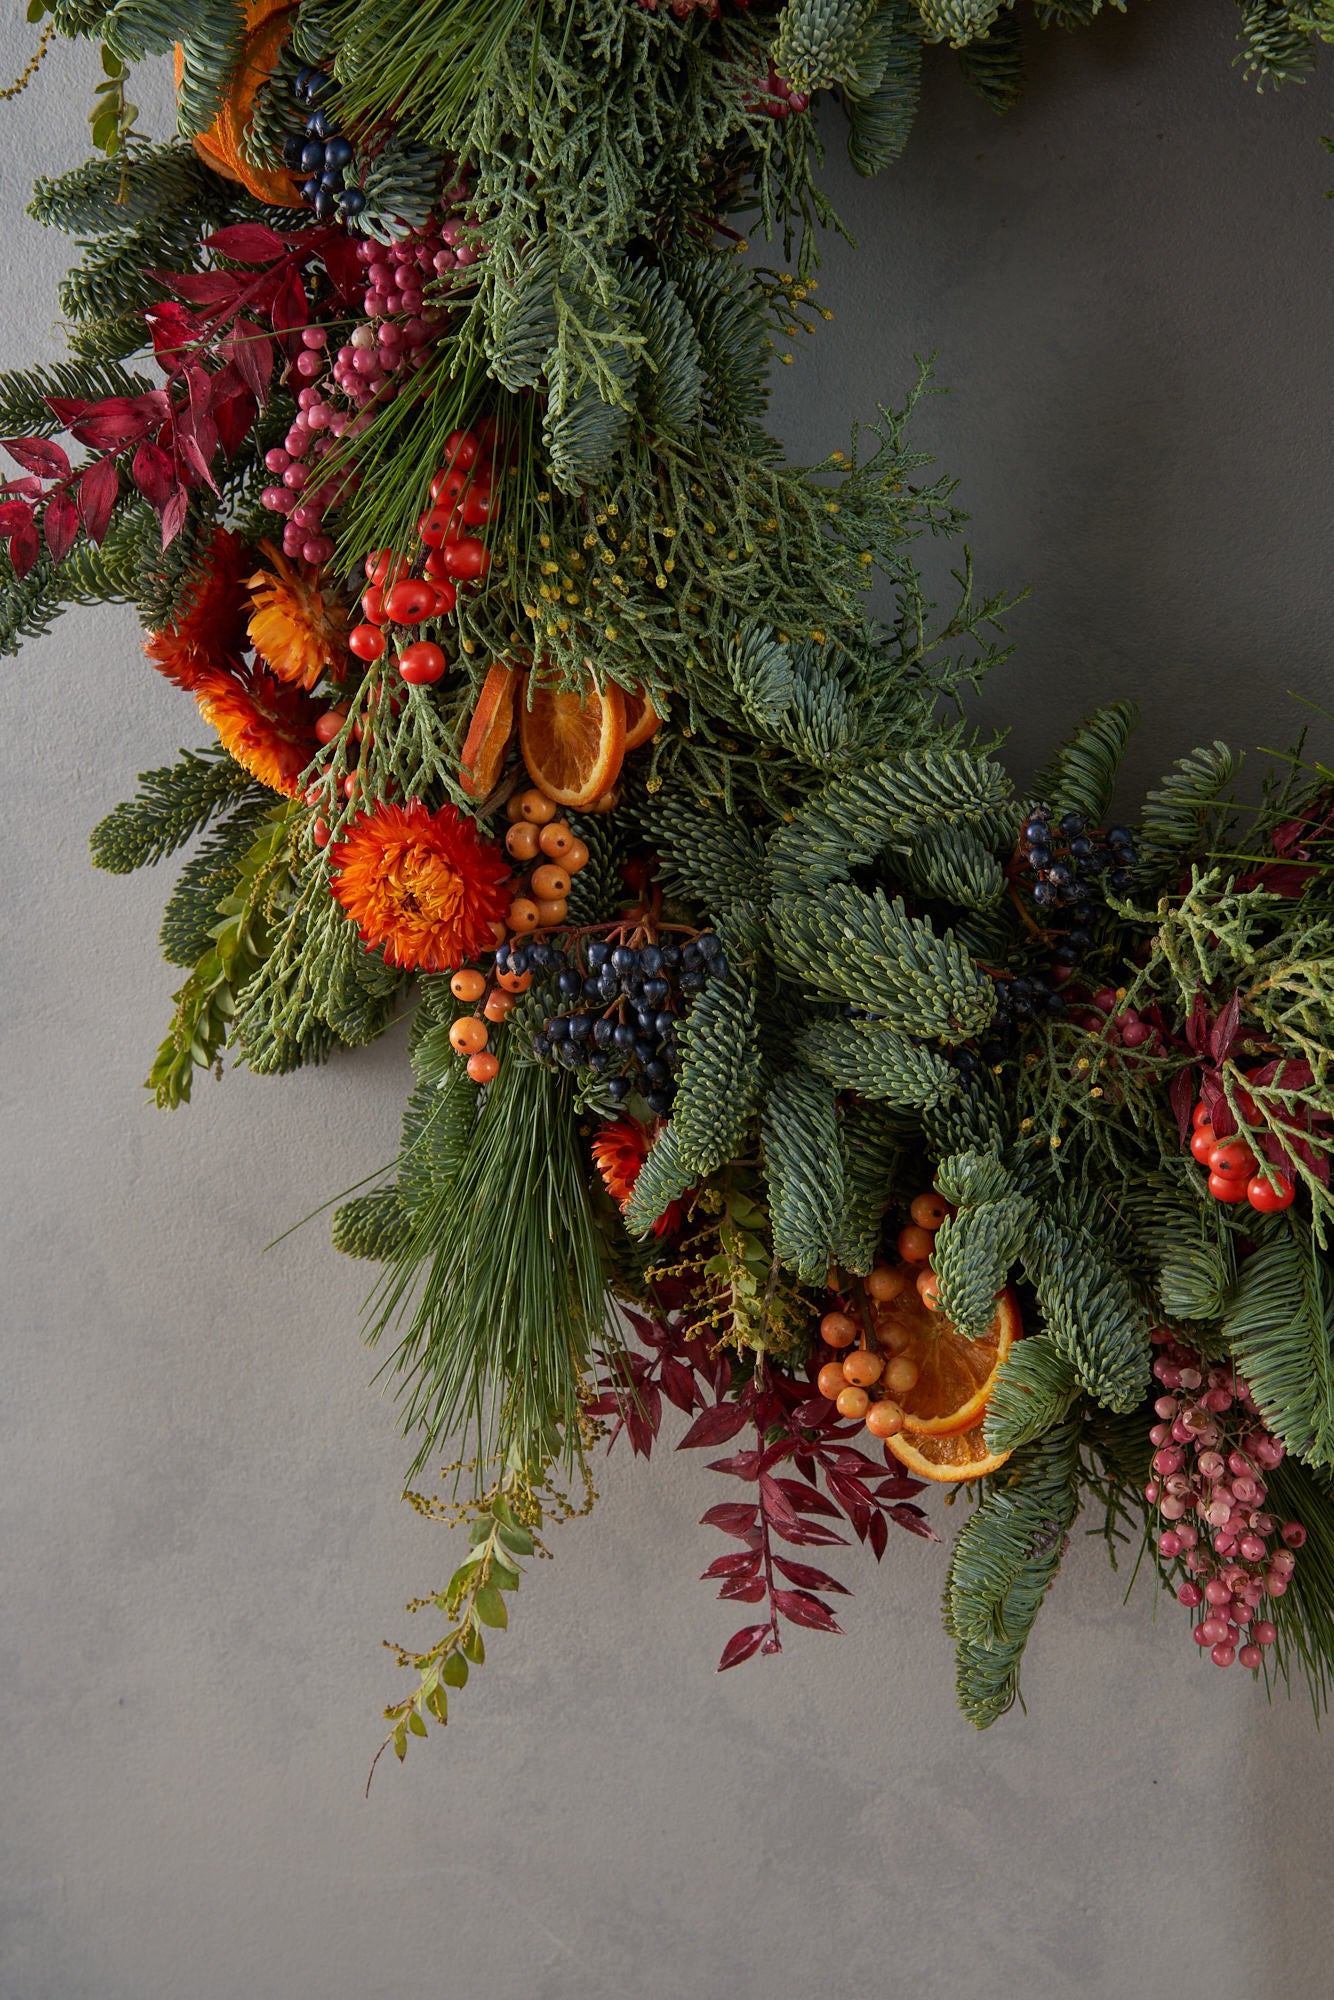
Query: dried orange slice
point(641, 718)
point(573, 742)
point(961, 1455)
point(955, 1376)
point(490, 731)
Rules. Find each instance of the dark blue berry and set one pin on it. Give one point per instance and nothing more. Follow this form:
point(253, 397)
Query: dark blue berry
point(671, 956)
point(624, 959)
point(691, 958)
point(352, 201)
point(651, 959)
point(569, 982)
point(656, 990)
point(692, 982)
point(312, 157)
point(664, 1023)
point(710, 944)
point(1055, 1004)
point(618, 1088)
point(1060, 875)
point(1119, 881)
point(1039, 857)
point(541, 1046)
point(1044, 893)
point(659, 1102)
point(1081, 848)
point(599, 1061)
point(597, 955)
point(338, 152)
point(590, 989)
point(293, 146)
point(623, 1035)
point(569, 1053)
point(1120, 836)
point(581, 1027)
point(602, 1031)
point(1072, 823)
point(608, 984)
point(644, 1052)
point(1080, 939)
point(1036, 827)
point(558, 1028)
point(324, 204)
point(657, 1071)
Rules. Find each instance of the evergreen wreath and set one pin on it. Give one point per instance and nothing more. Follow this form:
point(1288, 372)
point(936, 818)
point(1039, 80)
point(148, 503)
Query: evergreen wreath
point(775, 1060)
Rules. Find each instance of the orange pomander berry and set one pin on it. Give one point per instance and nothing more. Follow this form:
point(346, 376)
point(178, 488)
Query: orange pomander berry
point(468, 1036)
point(467, 984)
point(914, 1244)
point(884, 1419)
point(514, 807)
point(499, 1006)
point(521, 841)
point(928, 1211)
point(928, 1290)
point(550, 883)
point(481, 1068)
point(514, 982)
point(831, 1381)
point(852, 1402)
point(837, 1330)
point(862, 1367)
point(901, 1375)
point(524, 915)
point(885, 1284)
point(552, 909)
point(576, 857)
point(556, 839)
point(537, 808)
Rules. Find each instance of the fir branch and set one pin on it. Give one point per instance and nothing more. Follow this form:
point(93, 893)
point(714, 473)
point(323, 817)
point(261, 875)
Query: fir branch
point(1279, 1324)
point(804, 1171)
point(1082, 774)
point(866, 951)
point(172, 804)
point(373, 1226)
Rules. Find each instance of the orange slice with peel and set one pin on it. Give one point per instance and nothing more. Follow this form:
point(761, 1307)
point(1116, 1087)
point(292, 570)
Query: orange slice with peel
point(641, 718)
point(946, 1460)
point(955, 1375)
point(490, 730)
point(573, 741)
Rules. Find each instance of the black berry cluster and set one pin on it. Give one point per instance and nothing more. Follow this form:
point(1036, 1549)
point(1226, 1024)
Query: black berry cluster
point(621, 1007)
point(1067, 860)
point(324, 155)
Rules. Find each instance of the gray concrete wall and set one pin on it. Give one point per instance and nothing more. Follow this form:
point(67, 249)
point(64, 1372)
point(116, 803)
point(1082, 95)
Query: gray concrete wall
point(1129, 286)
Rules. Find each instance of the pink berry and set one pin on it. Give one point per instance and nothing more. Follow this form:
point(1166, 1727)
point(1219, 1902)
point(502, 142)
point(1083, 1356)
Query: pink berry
point(1217, 1591)
point(1189, 1594)
point(1250, 1656)
point(1263, 1633)
point(1169, 1543)
point(1222, 1655)
point(1200, 1635)
point(1293, 1534)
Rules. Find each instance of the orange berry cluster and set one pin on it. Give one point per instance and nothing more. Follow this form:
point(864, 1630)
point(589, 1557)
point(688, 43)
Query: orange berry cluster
point(849, 1383)
point(537, 836)
point(495, 996)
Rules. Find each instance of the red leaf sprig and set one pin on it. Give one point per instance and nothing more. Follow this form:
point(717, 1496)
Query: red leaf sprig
point(800, 1442)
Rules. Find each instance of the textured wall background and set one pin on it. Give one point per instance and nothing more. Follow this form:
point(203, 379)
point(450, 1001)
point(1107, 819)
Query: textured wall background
point(1130, 287)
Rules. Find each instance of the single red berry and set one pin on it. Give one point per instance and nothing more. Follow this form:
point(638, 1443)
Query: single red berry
point(366, 641)
point(330, 724)
point(319, 832)
point(421, 663)
point(372, 604)
point(1232, 1156)
point(1199, 1116)
point(468, 558)
point(461, 452)
point(434, 524)
point(477, 503)
point(1227, 1187)
point(1202, 1143)
point(410, 600)
point(446, 595)
point(1269, 1195)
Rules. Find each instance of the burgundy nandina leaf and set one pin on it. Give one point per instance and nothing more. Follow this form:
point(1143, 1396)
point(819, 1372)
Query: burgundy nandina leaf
point(27, 488)
point(246, 243)
point(250, 351)
point(878, 1535)
point(14, 515)
point(807, 1577)
point(739, 1564)
point(813, 1415)
point(289, 312)
point(1223, 1034)
point(346, 272)
point(914, 1520)
point(732, 1516)
point(154, 474)
point(802, 1609)
point(99, 484)
point(678, 1384)
point(203, 288)
point(1180, 1092)
point(173, 515)
point(234, 415)
point(777, 1507)
point(741, 1645)
point(806, 1498)
point(810, 1535)
point(714, 1426)
point(741, 1464)
point(60, 524)
point(38, 455)
point(747, 1590)
point(24, 547)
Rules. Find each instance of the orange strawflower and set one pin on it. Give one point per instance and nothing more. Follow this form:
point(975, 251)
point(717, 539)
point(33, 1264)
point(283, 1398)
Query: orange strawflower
point(269, 729)
point(210, 631)
point(619, 1151)
point(422, 884)
point(296, 630)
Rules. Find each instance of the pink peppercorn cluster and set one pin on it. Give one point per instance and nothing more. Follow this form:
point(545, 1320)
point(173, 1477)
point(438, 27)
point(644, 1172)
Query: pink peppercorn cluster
point(405, 307)
point(1212, 1452)
point(683, 9)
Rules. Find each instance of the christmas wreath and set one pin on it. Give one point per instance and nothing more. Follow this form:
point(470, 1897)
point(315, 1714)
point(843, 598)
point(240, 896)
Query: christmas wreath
point(782, 1074)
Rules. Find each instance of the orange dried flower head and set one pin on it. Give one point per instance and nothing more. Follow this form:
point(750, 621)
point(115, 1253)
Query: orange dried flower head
point(296, 630)
point(269, 729)
point(422, 884)
point(619, 1151)
point(210, 632)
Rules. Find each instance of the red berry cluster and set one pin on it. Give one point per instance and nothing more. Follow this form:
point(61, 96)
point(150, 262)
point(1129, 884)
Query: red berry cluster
point(1212, 1451)
point(462, 498)
point(1234, 1169)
